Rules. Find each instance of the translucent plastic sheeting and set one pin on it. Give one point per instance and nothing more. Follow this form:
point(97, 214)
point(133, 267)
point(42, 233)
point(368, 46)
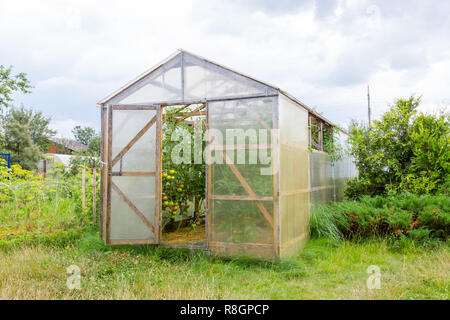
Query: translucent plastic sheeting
point(205, 80)
point(186, 78)
point(238, 224)
point(163, 84)
point(328, 179)
point(133, 194)
point(294, 173)
point(125, 223)
point(126, 125)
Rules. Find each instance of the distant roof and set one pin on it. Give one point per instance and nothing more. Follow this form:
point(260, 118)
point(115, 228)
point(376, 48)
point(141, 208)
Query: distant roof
point(69, 143)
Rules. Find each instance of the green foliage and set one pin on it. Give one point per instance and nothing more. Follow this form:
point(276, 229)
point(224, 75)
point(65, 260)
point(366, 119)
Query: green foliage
point(17, 140)
point(11, 83)
point(331, 144)
point(418, 217)
point(37, 125)
point(183, 183)
point(404, 151)
point(25, 134)
point(48, 210)
point(83, 134)
point(94, 145)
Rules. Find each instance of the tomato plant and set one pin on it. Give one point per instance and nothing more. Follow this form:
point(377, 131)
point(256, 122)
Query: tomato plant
point(183, 184)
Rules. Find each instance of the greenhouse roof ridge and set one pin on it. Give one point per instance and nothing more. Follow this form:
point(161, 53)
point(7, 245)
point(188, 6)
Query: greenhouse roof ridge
point(181, 51)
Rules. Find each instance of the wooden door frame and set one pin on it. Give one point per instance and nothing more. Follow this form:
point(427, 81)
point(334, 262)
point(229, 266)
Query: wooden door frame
point(158, 182)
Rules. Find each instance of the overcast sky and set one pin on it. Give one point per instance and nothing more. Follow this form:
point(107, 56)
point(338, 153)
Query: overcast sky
point(322, 52)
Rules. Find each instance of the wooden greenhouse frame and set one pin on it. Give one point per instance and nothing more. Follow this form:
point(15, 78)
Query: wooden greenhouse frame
point(276, 205)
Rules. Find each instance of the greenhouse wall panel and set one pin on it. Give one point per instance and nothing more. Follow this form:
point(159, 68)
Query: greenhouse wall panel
point(294, 174)
point(242, 197)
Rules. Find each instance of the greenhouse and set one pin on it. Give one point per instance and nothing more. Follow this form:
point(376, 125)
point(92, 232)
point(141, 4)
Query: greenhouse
point(263, 162)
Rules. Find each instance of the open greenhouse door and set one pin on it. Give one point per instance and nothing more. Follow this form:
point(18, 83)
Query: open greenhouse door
point(133, 175)
point(242, 193)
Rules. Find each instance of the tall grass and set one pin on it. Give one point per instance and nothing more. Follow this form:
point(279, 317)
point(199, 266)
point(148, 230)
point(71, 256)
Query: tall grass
point(38, 210)
point(420, 217)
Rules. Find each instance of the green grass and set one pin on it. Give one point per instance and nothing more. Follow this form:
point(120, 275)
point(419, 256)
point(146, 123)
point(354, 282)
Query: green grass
point(41, 234)
point(321, 271)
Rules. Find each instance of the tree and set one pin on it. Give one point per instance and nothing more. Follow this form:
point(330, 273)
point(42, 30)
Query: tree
point(83, 134)
point(11, 83)
point(18, 141)
point(37, 124)
point(403, 151)
point(94, 145)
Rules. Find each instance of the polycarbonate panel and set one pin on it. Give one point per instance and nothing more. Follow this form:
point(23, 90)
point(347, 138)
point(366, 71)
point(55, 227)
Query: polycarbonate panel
point(328, 179)
point(239, 225)
point(163, 84)
point(133, 208)
point(205, 80)
point(126, 125)
point(125, 223)
point(241, 221)
point(294, 173)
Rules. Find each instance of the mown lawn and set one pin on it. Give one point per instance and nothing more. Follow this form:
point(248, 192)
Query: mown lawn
point(321, 271)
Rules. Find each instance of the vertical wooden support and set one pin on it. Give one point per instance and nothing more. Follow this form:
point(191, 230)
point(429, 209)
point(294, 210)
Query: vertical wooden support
point(208, 219)
point(109, 177)
point(102, 213)
point(275, 141)
point(94, 193)
point(310, 130)
point(83, 188)
point(45, 168)
point(158, 180)
point(320, 135)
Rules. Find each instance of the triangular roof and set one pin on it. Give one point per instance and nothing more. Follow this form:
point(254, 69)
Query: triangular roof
point(176, 60)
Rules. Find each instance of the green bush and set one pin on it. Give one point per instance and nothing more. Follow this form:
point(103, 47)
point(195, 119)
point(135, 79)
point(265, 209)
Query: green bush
point(403, 151)
point(419, 217)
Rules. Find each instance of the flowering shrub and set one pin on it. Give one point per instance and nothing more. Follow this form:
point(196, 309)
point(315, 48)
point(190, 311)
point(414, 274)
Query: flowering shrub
point(34, 209)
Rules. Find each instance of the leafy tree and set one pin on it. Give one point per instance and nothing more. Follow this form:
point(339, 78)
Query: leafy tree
point(403, 151)
point(18, 141)
point(83, 134)
point(37, 124)
point(11, 83)
point(94, 145)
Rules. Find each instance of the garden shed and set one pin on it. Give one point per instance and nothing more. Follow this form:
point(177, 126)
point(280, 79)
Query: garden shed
point(259, 206)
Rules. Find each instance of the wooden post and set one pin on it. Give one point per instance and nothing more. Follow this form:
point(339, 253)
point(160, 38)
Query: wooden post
point(45, 168)
point(83, 188)
point(94, 193)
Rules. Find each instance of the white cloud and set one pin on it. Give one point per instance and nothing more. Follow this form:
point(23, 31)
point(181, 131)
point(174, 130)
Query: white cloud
point(323, 52)
point(64, 127)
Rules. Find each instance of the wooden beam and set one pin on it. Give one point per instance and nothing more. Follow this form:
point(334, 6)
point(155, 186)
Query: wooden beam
point(293, 192)
point(133, 241)
point(109, 178)
point(134, 107)
point(187, 115)
point(252, 198)
point(241, 147)
point(132, 206)
point(243, 245)
point(247, 188)
point(158, 178)
point(134, 140)
point(133, 174)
